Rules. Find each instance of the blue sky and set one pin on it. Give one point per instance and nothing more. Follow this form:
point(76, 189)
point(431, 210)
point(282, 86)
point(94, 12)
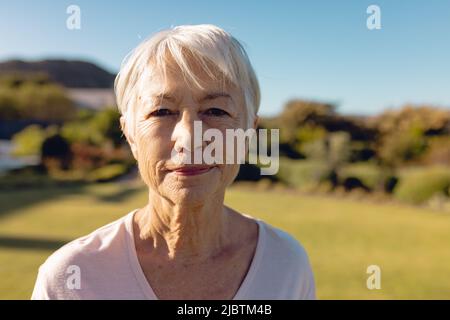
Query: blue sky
point(319, 50)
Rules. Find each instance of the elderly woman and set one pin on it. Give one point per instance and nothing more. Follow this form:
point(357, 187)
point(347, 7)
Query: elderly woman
point(185, 243)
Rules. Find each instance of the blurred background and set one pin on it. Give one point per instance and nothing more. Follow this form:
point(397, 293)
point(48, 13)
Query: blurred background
point(363, 113)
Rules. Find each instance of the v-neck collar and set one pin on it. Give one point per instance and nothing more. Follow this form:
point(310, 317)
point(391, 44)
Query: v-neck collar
point(145, 285)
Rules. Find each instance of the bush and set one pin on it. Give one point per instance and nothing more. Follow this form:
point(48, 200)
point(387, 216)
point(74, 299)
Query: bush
point(352, 183)
point(418, 185)
point(107, 123)
point(8, 110)
point(43, 102)
point(361, 151)
point(338, 148)
point(34, 97)
point(430, 120)
point(315, 150)
point(438, 151)
point(304, 173)
point(371, 175)
point(56, 153)
point(403, 146)
point(95, 129)
point(29, 141)
point(297, 113)
point(333, 147)
point(309, 133)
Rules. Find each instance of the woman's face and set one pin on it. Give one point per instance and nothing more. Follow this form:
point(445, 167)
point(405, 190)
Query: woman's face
point(164, 121)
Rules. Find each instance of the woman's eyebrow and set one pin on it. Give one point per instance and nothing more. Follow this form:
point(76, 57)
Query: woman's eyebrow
point(164, 96)
point(208, 96)
point(215, 95)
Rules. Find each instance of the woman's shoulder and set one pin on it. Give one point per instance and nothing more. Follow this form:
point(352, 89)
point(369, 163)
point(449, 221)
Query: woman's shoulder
point(283, 245)
point(95, 255)
point(284, 269)
point(276, 242)
point(87, 248)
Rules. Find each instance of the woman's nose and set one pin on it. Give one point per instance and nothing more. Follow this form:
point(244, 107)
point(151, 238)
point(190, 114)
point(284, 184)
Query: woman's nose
point(188, 133)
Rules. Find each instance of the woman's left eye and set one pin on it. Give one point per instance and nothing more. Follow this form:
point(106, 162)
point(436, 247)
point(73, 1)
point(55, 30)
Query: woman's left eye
point(216, 112)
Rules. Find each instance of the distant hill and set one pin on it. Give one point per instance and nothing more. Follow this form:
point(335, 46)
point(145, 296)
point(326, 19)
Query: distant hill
point(69, 73)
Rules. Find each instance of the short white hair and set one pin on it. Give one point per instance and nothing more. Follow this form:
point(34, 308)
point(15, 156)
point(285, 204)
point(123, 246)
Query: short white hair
point(208, 44)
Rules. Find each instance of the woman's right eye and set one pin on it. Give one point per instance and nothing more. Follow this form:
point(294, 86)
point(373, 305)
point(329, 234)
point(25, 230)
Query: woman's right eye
point(161, 113)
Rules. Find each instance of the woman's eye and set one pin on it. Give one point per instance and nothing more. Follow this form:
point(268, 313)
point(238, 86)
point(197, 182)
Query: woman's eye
point(161, 113)
point(216, 112)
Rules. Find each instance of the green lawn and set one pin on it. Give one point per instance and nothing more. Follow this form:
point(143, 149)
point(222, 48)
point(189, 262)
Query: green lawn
point(342, 237)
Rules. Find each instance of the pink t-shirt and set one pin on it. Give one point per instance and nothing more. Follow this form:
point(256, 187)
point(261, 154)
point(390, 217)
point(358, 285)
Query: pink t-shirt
point(104, 265)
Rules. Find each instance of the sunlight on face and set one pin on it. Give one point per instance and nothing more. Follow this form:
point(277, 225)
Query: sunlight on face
point(165, 117)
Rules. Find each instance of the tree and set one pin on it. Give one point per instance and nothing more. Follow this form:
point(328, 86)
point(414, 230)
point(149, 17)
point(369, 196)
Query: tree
point(55, 153)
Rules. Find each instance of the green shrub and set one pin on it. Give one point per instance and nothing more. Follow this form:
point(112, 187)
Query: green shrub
point(418, 185)
point(338, 147)
point(95, 128)
point(303, 173)
point(308, 137)
point(56, 153)
point(438, 151)
point(403, 146)
point(8, 110)
point(34, 97)
point(29, 140)
point(370, 174)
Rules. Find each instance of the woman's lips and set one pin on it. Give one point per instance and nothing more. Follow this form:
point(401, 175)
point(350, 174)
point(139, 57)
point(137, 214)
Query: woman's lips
point(191, 170)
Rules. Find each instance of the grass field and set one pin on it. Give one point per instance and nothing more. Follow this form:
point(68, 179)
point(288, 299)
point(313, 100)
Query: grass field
point(342, 237)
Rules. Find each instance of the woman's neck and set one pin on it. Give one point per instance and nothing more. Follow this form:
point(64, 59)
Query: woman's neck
point(188, 232)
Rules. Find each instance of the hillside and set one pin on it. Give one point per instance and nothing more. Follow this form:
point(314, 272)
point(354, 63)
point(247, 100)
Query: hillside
point(69, 73)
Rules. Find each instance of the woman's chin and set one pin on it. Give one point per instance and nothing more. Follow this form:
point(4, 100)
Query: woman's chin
point(192, 195)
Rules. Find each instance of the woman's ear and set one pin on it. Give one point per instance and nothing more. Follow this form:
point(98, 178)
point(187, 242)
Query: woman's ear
point(256, 122)
point(129, 138)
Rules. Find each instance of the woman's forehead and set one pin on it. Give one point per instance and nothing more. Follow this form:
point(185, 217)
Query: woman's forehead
point(176, 84)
